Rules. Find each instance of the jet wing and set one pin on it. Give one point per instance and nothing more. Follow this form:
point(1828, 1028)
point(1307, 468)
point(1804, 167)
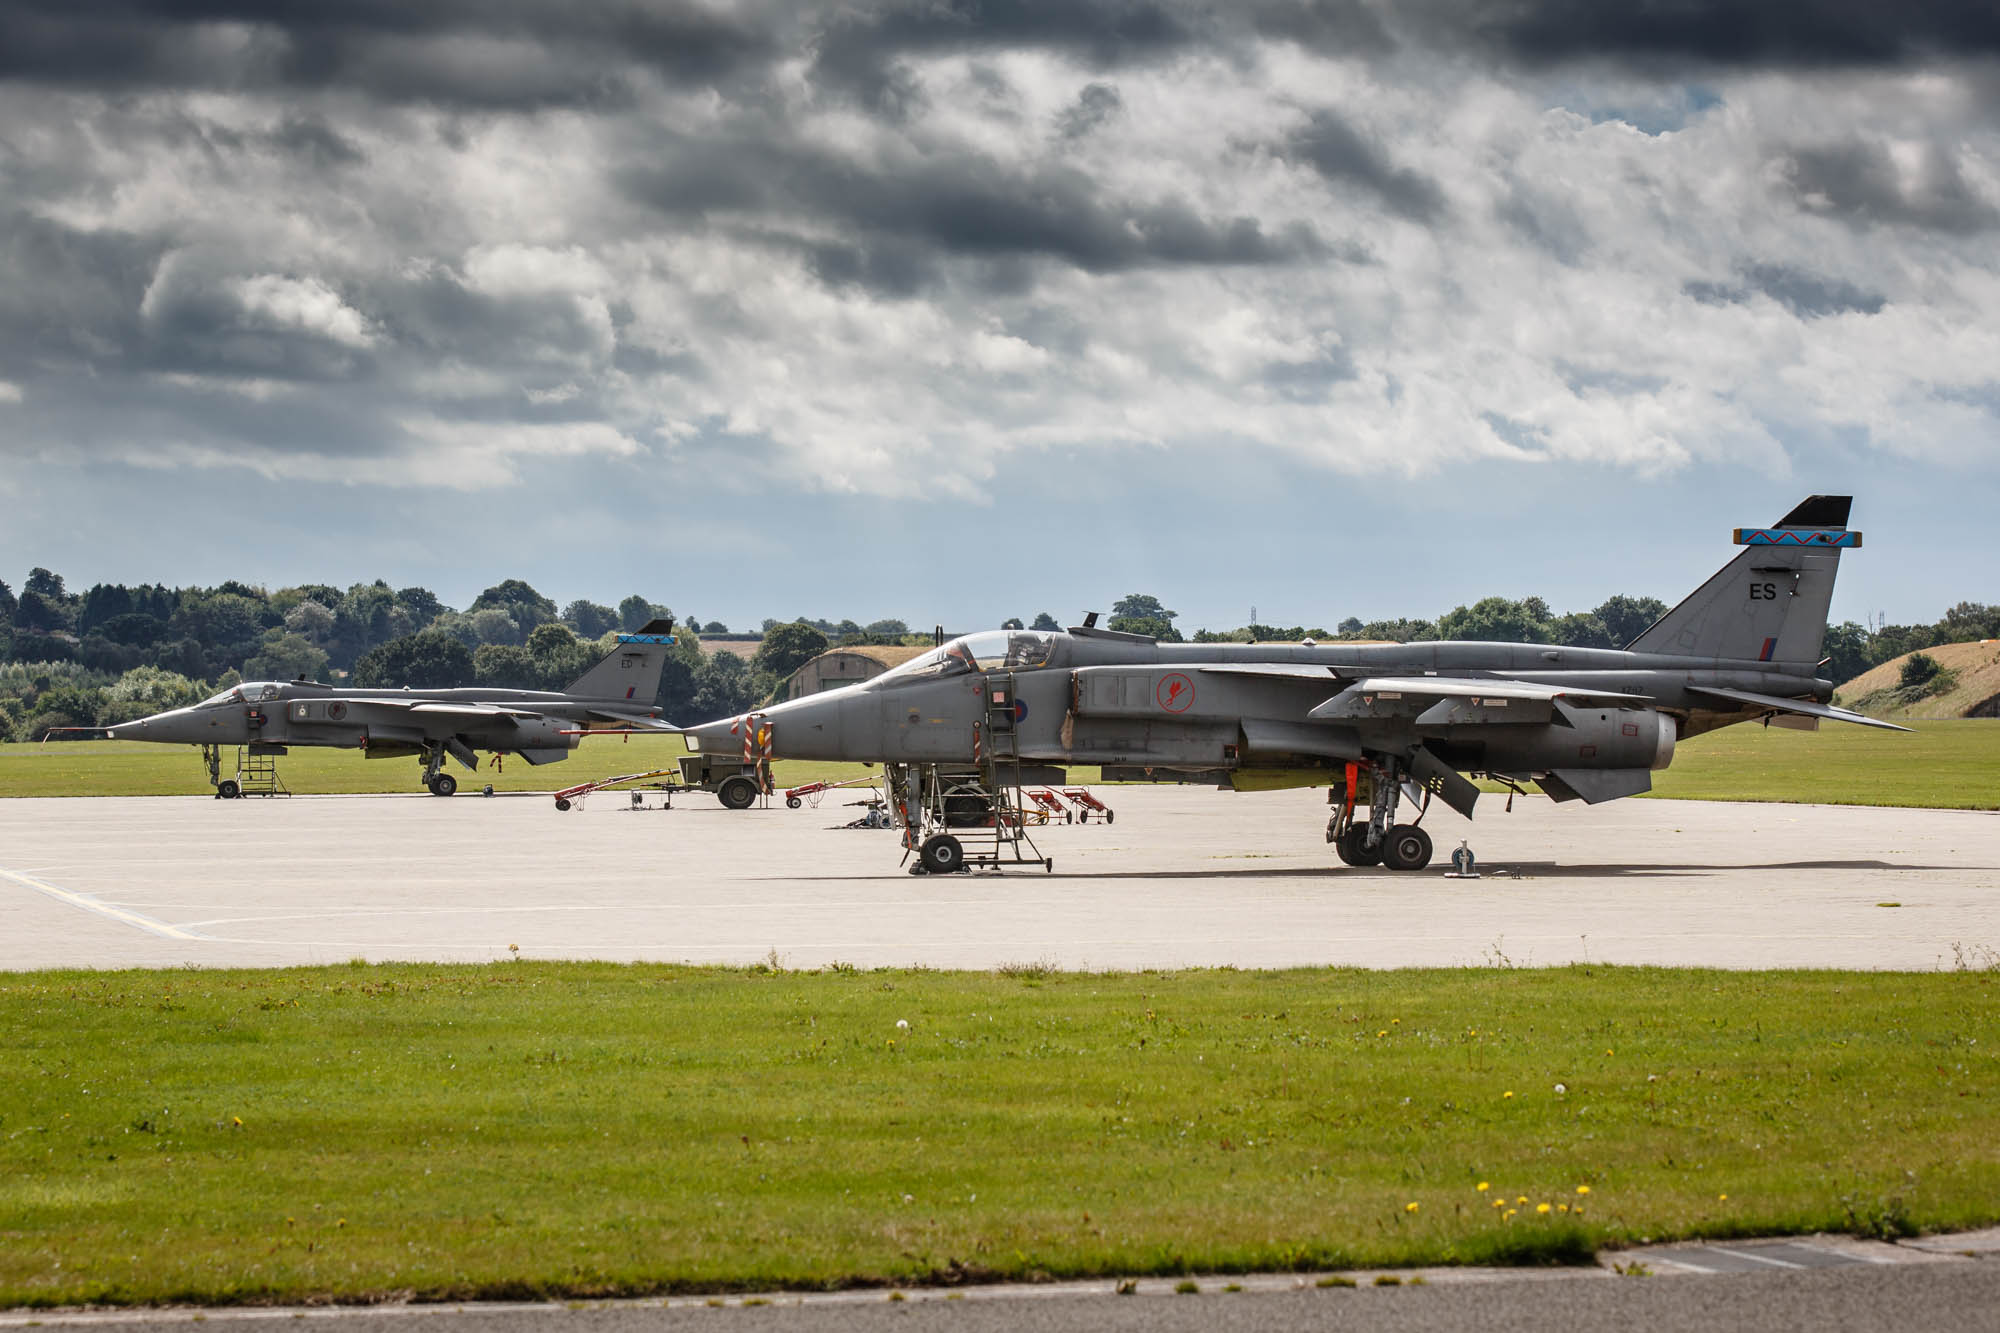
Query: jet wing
point(1797, 707)
point(1461, 687)
point(438, 708)
point(640, 720)
point(434, 707)
point(1291, 670)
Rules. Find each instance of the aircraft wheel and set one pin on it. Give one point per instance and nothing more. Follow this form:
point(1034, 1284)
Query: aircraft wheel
point(793, 803)
point(1352, 847)
point(738, 793)
point(1110, 815)
point(227, 789)
point(942, 854)
point(443, 784)
point(1406, 848)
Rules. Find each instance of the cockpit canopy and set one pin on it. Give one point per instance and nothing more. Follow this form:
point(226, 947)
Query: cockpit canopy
point(990, 650)
point(253, 692)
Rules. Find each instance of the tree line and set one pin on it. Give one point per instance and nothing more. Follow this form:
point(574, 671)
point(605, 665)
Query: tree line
point(112, 652)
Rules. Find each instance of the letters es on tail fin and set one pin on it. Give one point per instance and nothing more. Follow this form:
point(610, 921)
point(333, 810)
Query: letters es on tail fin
point(1769, 604)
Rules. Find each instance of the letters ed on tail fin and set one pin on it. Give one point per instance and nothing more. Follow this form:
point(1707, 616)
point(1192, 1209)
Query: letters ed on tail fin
point(1769, 604)
point(631, 674)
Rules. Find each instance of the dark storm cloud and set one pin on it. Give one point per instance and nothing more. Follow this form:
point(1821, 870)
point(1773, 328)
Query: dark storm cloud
point(1762, 33)
point(1095, 106)
point(1333, 148)
point(1860, 183)
point(957, 206)
point(1807, 295)
point(858, 53)
point(444, 51)
point(70, 296)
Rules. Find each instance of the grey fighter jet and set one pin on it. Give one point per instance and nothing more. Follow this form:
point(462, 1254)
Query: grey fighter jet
point(1375, 724)
point(540, 726)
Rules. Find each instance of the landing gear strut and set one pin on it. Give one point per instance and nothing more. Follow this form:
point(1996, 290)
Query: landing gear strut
point(226, 789)
point(440, 782)
point(1378, 839)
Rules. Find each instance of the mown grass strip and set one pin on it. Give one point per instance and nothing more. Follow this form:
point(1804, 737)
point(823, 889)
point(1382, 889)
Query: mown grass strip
point(1942, 765)
point(587, 1130)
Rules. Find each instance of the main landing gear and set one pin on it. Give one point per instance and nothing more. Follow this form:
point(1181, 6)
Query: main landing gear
point(1377, 839)
point(440, 782)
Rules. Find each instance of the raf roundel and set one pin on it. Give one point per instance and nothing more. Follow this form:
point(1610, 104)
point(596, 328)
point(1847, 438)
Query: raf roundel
point(1175, 693)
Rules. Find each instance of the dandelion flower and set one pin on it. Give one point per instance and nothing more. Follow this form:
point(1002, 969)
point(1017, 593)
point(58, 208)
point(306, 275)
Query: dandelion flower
point(1394, 1021)
point(1505, 1095)
point(1509, 1213)
point(1522, 1199)
point(1499, 1203)
point(1609, 1051)
point(1562, 1207)
point(1483, 1186)
point(1383, 1033)
point(1583, 1189)
point(1722, 1198)
point(1541, 1208)
point(1410, 1207)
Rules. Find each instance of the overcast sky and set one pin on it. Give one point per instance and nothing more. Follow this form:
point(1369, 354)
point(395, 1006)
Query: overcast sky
point(955, 310)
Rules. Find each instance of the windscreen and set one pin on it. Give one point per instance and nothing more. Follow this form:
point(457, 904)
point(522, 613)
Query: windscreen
point(990, 650)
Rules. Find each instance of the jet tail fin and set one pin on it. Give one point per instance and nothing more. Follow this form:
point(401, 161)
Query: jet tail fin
point(632, 673)
point(1769, 604)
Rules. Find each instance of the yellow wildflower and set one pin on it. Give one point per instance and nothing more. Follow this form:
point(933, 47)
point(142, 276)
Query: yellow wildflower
point(1410, 1207)
point(1482, 1186)
point(1505, 1095)
point(1583, 1189)
point(1541, 1208)
point(1722, 1198)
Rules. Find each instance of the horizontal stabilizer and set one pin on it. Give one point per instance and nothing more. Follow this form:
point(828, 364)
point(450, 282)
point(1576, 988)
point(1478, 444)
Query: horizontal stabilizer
point(1796, 707)
point(1594, 786)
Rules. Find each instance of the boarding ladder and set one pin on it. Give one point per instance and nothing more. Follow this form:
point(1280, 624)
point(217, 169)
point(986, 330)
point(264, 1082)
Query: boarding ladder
point(257, 771)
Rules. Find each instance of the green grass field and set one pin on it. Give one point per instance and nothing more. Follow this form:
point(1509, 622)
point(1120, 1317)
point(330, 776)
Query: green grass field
point(1954, 765)
point(1942, 765)
point(589, 1129)
point(132, 768)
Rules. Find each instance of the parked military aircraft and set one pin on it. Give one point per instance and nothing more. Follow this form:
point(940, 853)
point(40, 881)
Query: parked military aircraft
point(540, 726)
point(1373, 723)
